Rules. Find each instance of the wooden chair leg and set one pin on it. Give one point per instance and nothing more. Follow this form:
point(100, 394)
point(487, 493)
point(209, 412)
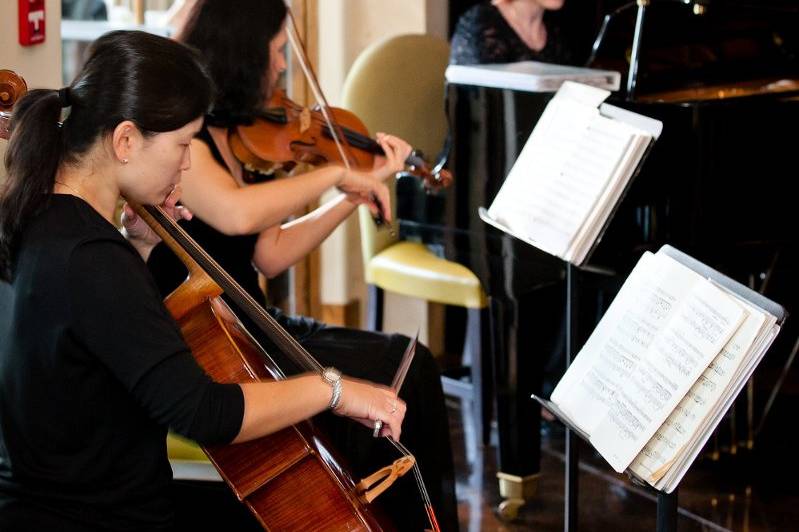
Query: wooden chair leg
point(374, 308)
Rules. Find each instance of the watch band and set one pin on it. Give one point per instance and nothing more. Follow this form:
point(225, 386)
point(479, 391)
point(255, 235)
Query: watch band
point(332, 376)
point(335, 398)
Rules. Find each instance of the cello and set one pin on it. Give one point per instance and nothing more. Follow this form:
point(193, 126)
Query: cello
point(287, 479)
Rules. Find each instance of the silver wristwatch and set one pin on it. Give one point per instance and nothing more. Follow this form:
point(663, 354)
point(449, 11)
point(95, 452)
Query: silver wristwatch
point(332, 376)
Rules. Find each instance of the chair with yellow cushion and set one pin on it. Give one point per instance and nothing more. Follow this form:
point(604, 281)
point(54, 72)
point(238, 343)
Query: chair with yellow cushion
point(397, 86)
point(188, 460)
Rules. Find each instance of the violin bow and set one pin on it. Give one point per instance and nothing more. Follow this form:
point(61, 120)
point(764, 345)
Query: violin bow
point(335, 129)
point(302, 57)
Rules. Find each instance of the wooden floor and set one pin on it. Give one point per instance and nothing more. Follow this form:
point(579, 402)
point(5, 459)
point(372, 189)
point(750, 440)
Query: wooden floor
point(751, 491)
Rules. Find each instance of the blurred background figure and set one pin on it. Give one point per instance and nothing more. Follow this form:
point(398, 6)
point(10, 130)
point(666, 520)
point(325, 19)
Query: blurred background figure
point(507, 31)
point(73, 52)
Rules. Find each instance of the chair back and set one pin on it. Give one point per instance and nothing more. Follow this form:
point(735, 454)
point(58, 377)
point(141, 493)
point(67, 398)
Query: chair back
point(397, 86)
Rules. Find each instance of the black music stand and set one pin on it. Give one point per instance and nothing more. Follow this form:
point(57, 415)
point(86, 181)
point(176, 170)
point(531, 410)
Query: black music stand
point(572, 298)
point(667, 508)
point(573, 274)
point(666, 502)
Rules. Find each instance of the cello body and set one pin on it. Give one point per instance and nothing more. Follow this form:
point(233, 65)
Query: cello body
point(290, 479)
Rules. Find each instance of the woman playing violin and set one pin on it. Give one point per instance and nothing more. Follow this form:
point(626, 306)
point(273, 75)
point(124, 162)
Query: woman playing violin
point(92, 367)
point(241, 226)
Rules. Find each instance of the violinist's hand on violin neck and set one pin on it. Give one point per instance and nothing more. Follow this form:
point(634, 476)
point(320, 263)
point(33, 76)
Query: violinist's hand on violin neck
point(366, 402)
point(396, 151)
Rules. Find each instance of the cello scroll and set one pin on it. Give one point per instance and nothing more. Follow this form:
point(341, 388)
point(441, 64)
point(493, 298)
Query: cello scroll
point(12, 88)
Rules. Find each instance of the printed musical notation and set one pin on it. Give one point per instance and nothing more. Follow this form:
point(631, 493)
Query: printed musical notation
point(662, 366)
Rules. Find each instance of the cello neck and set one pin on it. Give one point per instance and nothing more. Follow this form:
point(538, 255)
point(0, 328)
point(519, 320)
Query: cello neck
point(210, 274)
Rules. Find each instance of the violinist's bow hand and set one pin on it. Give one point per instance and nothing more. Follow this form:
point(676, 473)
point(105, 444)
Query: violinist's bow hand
point(379, 219)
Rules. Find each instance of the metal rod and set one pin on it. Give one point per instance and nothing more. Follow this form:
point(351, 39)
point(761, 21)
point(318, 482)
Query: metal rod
point(777, 387)
point(632, 73)
point(667, 512)
point(572, 461)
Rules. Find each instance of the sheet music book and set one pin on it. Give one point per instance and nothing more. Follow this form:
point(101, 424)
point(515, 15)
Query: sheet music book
point(530, 76)
point(664, 364)
point(572, 172)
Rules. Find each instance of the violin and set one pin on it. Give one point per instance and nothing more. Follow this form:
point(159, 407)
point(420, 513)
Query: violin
point(285, 133)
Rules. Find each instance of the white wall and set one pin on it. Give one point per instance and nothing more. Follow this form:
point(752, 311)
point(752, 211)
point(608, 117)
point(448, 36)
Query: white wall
point(346, 28)
point(40, 65)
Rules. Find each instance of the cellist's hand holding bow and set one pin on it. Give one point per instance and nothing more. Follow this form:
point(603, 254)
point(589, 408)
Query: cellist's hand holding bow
point(366, 402)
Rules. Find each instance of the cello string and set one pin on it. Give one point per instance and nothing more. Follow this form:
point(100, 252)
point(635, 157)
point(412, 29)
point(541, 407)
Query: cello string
point(417, 474)
point(243, 298)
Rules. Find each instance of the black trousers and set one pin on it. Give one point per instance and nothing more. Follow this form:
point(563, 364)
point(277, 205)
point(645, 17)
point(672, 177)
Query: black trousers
point(425, 429)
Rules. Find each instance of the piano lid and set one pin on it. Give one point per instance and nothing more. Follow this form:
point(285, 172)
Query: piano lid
point(688, 50)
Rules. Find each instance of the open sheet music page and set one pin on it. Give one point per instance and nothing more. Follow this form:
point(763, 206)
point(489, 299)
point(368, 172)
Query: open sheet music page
point(640, 311)
point(661, 332)
point(590, 229)
point(562, 170)
point(667, 360)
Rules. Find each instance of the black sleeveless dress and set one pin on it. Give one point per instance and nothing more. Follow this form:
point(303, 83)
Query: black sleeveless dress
point(357, 353)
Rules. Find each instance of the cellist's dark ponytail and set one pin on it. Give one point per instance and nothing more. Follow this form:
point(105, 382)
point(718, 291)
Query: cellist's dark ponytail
point(32, 160)
point(158, 84)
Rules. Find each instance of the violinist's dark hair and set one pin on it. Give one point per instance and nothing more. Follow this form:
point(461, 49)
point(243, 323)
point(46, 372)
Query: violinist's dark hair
point(234, 41)
point(158, 84)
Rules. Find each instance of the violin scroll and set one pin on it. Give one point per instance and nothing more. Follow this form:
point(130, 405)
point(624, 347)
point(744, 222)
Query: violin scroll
point(434, 178)
point(12, 88)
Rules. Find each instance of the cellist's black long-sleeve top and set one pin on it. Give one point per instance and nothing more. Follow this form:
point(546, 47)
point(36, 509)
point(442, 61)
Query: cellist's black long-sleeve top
point(92, 372)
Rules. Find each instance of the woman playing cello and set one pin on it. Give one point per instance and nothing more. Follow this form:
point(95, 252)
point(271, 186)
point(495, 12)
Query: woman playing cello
point(92, 367)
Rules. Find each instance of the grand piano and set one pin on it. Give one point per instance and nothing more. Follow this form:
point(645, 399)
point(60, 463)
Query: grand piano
point(723, 77)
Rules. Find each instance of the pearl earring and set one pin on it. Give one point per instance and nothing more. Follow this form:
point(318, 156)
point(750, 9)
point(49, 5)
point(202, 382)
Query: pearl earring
point(124, 161)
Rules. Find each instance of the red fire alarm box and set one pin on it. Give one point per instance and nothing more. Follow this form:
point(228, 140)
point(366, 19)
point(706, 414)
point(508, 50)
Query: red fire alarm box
point(31, 22)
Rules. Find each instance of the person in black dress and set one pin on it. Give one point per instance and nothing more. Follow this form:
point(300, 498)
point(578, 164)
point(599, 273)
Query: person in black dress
point(240, 223)
point(93, 369)
point(508, 31)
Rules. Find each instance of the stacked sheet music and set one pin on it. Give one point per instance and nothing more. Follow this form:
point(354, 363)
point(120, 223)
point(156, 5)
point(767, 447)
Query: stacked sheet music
point(664, 364)
point(572, 172)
